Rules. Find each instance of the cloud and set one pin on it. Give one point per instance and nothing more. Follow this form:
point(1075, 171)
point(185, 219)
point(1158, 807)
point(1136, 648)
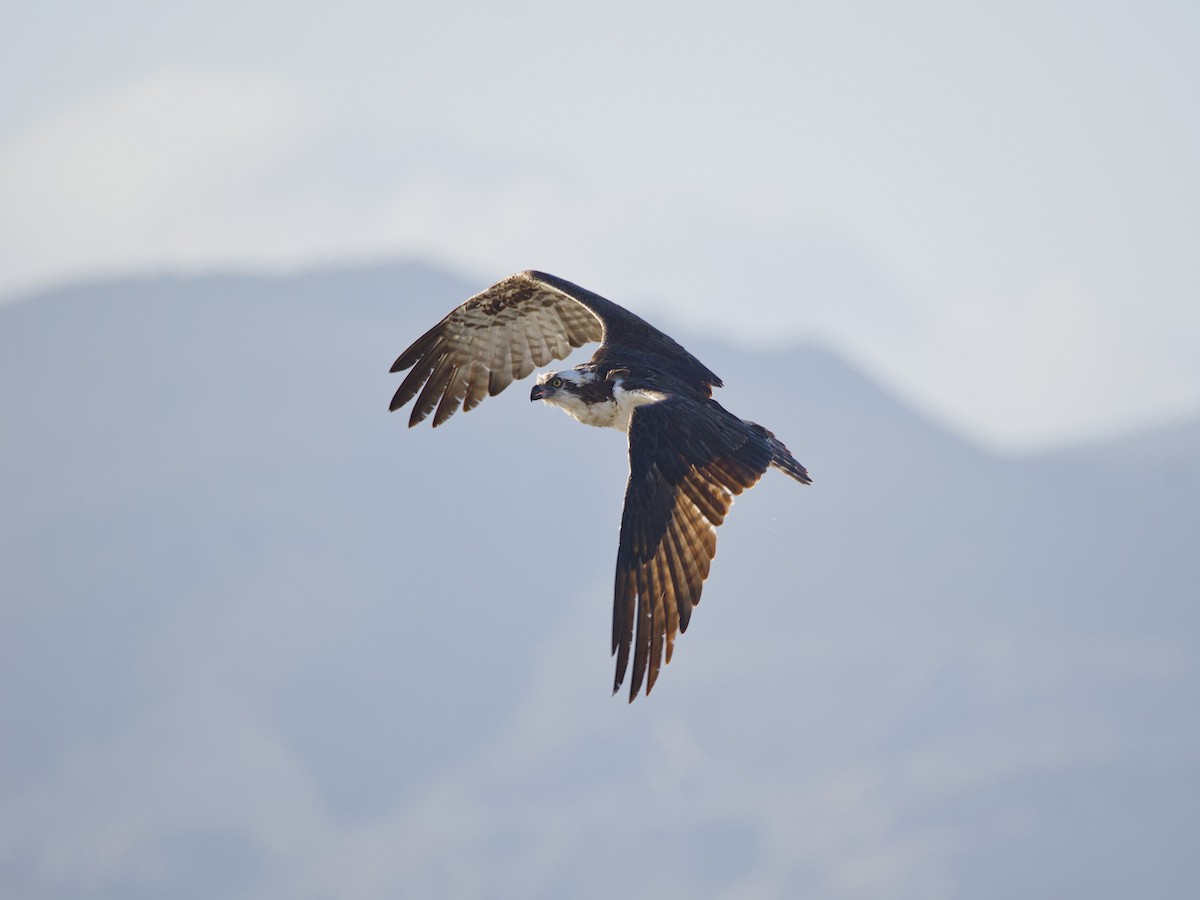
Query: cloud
point(1011, 253)
point(1061, 356)
point(167, 168)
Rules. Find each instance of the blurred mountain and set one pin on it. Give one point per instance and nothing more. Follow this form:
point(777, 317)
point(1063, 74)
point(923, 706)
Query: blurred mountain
point(258, 639)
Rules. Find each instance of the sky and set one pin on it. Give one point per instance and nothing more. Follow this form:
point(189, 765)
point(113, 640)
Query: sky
point(992, 208)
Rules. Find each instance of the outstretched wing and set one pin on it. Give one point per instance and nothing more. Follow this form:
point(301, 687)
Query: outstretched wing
point(687, 461)
point(497, 337)
point(502, 334)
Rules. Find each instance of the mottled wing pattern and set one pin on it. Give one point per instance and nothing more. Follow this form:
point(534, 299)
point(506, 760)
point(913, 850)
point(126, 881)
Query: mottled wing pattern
point(497, 337)
point(687, 461)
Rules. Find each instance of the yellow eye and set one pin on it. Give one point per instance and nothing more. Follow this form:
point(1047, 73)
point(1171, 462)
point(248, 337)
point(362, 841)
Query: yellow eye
point(556, 382)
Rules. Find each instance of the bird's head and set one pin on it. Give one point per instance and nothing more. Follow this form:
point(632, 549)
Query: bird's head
point(577, 393)
point(557, 387)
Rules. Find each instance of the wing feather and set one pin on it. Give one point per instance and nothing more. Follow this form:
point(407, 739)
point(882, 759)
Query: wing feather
point(709, 498)
point(428, 398)
point(496, 337)
point(500, 362)
point(641, 647)
point(687, 461)
point(415, 379)
point(668, 602)
point(455, 391)
point(684, 584)
point(623, 611)
point(535, 326)
point(577, 322)
point(658, 623)
point(520, 353)
point(498, 380)
point(477, 386)
point(553, 333)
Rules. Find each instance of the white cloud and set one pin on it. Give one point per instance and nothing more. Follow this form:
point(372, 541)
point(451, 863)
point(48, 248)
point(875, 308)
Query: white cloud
point(1059, 357)
point(166, 169)
point(989, 211)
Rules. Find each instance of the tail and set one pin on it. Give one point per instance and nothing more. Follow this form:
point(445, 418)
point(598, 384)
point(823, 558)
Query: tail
point(781, 456)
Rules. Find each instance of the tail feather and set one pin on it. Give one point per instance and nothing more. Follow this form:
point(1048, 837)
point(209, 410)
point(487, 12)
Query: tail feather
point(781, 456)
point(782, 459)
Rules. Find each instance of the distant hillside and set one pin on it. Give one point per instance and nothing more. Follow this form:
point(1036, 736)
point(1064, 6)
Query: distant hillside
point(259, 639)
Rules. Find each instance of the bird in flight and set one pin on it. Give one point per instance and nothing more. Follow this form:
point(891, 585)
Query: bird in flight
point(688, 456)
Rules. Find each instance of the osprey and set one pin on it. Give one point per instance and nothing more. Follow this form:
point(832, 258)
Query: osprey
point(688, 456)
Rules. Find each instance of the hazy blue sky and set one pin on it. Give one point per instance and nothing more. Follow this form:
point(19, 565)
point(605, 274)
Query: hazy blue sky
point(996, 208)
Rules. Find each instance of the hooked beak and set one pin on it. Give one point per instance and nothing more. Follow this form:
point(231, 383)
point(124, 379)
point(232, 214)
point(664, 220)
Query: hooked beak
point(539, 392)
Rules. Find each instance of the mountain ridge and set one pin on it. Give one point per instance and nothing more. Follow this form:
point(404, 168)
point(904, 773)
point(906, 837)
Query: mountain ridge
point(293, 648)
